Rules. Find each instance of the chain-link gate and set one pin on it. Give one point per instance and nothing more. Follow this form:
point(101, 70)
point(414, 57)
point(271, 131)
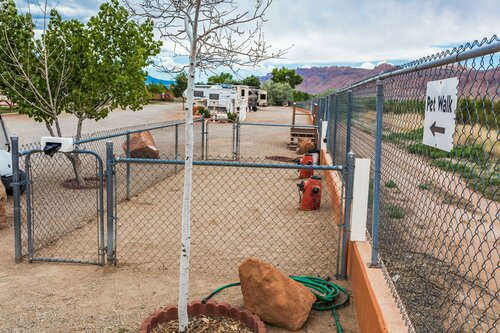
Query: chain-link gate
point(59, 229)
point(239, 209)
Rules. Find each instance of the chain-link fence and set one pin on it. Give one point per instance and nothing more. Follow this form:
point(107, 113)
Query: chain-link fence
point(434, 215)
point(248, 199)
point(61, 219)
point(239, 209)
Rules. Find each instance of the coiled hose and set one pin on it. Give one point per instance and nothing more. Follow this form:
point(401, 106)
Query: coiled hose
point(326, 295)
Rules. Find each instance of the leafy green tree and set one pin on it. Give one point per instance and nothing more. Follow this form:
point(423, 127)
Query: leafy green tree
point(156, 88)
point(180, 84)
point(252, 81)
point(86, 70)
point(300, 96)
point(278, 93)
point(286, 75)
point(221, 78)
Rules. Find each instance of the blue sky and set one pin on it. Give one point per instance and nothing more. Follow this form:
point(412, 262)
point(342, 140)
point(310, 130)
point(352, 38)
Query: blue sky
point(358, 33)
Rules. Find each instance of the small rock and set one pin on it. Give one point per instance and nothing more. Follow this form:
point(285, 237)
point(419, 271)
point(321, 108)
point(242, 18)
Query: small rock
point(274, 297)
point(142, 145)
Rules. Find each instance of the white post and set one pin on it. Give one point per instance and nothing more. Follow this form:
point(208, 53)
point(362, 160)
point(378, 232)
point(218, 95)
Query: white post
point(324, 128)
point(360, 199)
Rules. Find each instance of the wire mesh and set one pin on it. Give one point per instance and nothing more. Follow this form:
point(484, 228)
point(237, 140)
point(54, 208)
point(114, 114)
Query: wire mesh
point(236, 212)
point(60, 229)
point(439, 213)
point(58, 208)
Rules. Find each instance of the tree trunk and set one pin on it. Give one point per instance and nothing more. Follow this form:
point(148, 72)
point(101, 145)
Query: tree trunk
point(77, 169)
point(188, 179)
point(186, 202)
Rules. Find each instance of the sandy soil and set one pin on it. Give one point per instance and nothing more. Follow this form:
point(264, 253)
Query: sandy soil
point(29, 131)
point(236, 213)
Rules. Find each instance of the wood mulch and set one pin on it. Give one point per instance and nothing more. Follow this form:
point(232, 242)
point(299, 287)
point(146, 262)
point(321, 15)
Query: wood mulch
point(204, 324)
point(281, 158)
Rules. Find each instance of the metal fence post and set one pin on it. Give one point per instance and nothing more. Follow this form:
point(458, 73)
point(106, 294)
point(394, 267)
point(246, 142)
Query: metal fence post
point(376, 173)
point(177, 144)
point(109, 202)
point(335, 121)
point(202, 137)
point(346, 226)
point(16, 188)
point(349, 118)
point(238, 140)
point(315, 114)
point(128, 165)
point(207, 133)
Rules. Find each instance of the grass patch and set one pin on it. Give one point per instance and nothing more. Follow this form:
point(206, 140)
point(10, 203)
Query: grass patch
point(401, 137)
point(390, 184)
point(395, 212)
point(425, 186)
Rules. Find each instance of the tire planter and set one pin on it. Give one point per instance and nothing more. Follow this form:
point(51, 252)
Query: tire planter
point(211, 308)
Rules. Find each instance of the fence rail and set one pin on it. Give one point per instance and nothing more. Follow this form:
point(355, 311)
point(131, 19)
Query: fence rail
point(434, 215)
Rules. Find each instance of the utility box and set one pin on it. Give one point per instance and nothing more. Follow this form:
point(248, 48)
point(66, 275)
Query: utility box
point(66, 145)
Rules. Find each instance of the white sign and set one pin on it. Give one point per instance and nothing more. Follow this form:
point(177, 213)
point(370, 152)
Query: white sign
point(440, 109)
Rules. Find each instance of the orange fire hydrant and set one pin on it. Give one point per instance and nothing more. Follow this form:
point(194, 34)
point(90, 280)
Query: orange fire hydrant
point(308, 159)
point(311, 193)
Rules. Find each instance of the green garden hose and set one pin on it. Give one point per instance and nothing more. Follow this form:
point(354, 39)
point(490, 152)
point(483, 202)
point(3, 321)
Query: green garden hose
point(326, 294)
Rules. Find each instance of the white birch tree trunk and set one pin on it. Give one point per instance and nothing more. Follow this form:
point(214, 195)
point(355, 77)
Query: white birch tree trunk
point(188, 177)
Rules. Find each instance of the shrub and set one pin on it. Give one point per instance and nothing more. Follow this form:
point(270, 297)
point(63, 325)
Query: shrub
point(390, 184)
point(395, 211)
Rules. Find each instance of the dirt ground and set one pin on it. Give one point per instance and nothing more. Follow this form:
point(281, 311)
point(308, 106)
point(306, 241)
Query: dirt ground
point(49, 297)
point(30, 131)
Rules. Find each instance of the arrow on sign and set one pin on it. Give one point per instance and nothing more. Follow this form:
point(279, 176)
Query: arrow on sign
point(436, 129)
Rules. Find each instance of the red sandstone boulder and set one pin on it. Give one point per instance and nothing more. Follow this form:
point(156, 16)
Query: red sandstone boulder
point(277, 299)
point(142, 145)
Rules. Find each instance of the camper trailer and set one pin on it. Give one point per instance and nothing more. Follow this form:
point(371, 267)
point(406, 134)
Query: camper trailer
point(229, 98)
point(262, 98)
point(215, 98)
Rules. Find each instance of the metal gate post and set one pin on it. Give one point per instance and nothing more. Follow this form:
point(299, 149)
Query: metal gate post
point(376, 173)
point(315, 114)
point(109, 202)
point(238, 140)
point(16, 187)
point(234, 141)
point(346, 226)
point(335, 121)
point(128, 166)
point(177, 144)
point(207, 133)
point(202, 137)
point(349, 117)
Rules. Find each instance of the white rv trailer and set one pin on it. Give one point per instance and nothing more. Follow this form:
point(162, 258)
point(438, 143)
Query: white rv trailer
point(262, 98)
point(229, 98)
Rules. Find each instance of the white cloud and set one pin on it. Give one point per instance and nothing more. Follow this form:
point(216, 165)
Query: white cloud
point(364, 32)
point(336, 31)
point(367, 65)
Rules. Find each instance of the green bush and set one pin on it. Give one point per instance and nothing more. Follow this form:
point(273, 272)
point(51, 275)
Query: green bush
point(390, 184)
point(204, 111)
point(395, 212)
point(478, 111)
point(232, 116)
point(400, 137)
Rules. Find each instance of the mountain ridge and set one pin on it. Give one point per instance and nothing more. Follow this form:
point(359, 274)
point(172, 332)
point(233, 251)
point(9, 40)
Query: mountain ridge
point(321, 79)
